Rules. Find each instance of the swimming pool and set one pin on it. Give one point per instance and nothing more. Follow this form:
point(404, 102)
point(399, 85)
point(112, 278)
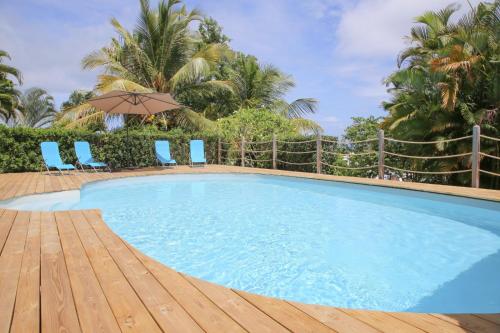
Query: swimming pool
point(310, 241)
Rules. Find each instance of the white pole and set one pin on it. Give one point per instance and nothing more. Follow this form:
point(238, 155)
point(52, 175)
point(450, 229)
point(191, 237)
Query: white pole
point(381, 155)
point(275, 151)
point(476, 148)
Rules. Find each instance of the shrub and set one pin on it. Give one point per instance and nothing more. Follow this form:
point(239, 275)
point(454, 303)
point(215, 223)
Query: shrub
point(20, 147)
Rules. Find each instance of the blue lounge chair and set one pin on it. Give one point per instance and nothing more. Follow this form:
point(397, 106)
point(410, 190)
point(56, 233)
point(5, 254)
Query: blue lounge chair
point(197, 152)
point(85, 159)
point(52, 157)
point(162, 150)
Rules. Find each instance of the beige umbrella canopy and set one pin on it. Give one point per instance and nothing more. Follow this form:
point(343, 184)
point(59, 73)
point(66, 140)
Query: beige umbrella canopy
point(123, 102)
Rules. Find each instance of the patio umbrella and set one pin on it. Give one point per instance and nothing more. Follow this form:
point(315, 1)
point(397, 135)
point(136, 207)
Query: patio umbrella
point(124, 102)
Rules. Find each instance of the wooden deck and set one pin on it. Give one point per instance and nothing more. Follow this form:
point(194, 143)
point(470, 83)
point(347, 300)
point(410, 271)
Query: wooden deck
point(68, 272)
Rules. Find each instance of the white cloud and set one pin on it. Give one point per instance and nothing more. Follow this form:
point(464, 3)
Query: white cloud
point(376, 28)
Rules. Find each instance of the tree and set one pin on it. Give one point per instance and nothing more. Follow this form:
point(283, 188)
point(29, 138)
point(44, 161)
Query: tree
point(353, 151)
point(264, 86)
point(447, 82)
point(9, 95)
point(211, 32)
point(161, 54)
point(36, 109)
point(77, 97)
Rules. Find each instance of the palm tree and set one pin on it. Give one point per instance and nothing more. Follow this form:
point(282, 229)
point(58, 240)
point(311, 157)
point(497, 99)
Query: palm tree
point(447, 83)
point(160, 54)
point(9, 95)
point(265, 87)
point(36, 109)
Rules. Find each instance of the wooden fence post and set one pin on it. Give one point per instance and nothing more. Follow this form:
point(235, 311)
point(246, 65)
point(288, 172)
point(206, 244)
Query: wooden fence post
point(219, 152)
point(242, 151)
point(381, 154)
point(318, 154)
point(476, 149)
point(275, 151)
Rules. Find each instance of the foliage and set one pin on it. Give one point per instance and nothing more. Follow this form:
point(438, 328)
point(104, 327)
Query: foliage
point(36, 109)
point(197, 68)
point(211, 32)
point(76, 98)
point(9, 95)
point(161, 54)
point(255, 125)
point(20, 146)
point(361, 129)
point(447, 83)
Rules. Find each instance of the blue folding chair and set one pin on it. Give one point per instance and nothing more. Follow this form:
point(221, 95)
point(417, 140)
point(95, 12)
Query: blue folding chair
point(197, 153)
point(162, 151)
point(85, 159)
point(52, 157)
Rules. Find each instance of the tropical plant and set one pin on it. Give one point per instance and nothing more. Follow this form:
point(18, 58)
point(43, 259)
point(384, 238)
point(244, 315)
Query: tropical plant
point(77, 97)
point(36, 109)
point(161, 54)
point(211, 32)
point(197, 68)
point(448, 82)
point(9, 95)
point(264, 86)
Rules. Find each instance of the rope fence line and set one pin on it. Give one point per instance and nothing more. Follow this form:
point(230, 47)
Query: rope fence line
point(427, 157)
point(348, 142)
point(258, 151)
point(239, 154)
point(293, 163)
point(350, 168)
point(490, 156)
point(429, 142)
point(296, 152)
point(258, 142)
point(257, 160)
point(490, 173)
point(428, 172)
point(349, 154)
point(296, 142)
point(490, 138)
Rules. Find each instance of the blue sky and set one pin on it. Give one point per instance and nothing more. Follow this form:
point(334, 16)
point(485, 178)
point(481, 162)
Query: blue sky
point(338, 51)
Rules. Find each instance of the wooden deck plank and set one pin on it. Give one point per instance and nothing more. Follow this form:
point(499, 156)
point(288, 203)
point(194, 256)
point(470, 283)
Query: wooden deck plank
point(92, 307)
point(335, 319)
point(131, 314)
point(32, 185)
point(428, 323)
point(382, 321)
point(247, 315)
point(6, 220)
point(10, 268)
point(15, 181)
point(40, 183)
point(27, 309)
point(167, 312)
point(492, 317)
point(470, 322)
point(58, 312)
point(287, 315)
point(210, 317)
point(23, 185)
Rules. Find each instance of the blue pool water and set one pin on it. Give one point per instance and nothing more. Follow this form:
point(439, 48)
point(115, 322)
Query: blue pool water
point(311, 241)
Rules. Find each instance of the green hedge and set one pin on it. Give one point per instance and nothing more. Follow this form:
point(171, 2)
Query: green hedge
point(20, 147)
